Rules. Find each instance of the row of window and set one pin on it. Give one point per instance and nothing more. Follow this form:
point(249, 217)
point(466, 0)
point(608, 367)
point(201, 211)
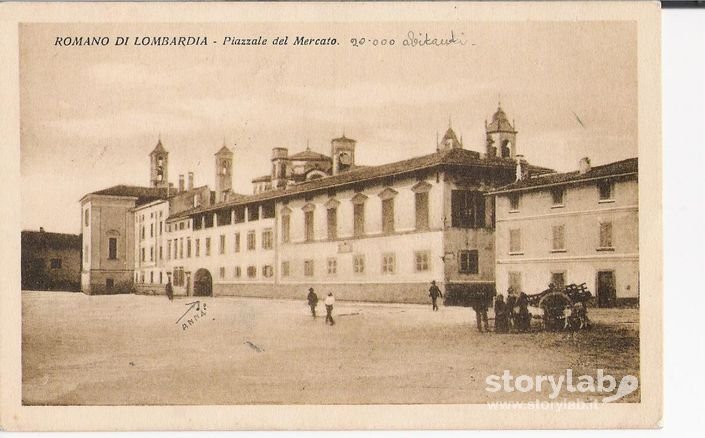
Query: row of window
point(234, 215)
point(153, 229)
point(140, 277)
point(388, 264)
point(176, 226)
point(558, 239)
point(267, 271)
point(267, 243)
point(557, 278)
point(605, 190)
point(422, 217)
point(152, 215)
point(421, 264)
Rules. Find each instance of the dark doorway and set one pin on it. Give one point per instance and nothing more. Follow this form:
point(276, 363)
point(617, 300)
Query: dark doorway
point(203, 284)
point(606, 290)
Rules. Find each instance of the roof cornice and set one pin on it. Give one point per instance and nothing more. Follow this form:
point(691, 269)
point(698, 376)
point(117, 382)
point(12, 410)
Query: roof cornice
point(560, 183)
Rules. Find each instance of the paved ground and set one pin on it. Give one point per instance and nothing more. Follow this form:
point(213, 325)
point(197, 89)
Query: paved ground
point(127, 349)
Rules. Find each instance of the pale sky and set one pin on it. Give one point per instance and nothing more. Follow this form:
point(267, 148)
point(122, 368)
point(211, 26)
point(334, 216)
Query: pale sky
point(91, 115)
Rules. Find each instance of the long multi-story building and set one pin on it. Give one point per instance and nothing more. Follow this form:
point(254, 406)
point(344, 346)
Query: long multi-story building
point(575, 227)
point(379, 233)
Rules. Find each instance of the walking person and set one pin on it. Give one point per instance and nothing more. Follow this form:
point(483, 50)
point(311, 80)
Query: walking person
point(434, 292)
point(312, 301)
point(330, 300)
point(169, 290)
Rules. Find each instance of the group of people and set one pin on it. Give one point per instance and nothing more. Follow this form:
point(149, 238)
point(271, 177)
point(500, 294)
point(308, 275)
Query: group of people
point(329, 301)
point(512, 315)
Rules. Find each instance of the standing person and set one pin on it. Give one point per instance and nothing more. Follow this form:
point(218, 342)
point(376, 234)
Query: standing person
point(500, 315)
point(434, 292)
point(330, 300)
point(169, 290)
point(312, 301)
point(523, 317)
point(479, 305)
point(511, 313)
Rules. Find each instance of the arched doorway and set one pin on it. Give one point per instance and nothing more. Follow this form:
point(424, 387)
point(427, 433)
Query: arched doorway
point(203, 284)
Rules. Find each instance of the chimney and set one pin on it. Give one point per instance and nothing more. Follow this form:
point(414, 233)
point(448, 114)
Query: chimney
point(190, 181)
point(584, 165)
point(181, 183)
point(41, 229)
point(520, 170)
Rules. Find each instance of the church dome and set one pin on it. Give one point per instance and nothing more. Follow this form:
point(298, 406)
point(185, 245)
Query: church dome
point(309, 155)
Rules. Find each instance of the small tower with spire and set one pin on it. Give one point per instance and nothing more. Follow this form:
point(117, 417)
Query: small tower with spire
point(500, 135)
point(159, 166)
point(223, 173)
point(450, 140)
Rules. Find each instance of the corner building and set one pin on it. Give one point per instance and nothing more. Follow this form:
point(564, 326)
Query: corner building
point(574, 227)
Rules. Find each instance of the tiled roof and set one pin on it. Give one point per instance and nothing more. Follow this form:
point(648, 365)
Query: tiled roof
point(263, 178)
point(449, 157)
point(144, 195)
point(624, 167)
point(51, 240)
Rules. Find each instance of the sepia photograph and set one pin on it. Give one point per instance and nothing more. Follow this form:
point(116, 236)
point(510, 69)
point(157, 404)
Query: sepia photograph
point(402, 212)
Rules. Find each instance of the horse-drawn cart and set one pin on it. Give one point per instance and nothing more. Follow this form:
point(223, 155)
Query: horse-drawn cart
point(563, 308)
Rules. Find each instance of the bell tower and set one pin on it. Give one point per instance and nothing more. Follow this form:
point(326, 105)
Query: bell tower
point(223, 173)
point(500, 136)
point(159, 166)
point(343, 154)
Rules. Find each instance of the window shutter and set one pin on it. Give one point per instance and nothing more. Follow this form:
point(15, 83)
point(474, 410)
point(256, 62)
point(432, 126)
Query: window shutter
point(606, 235)
point(514, 240)
point(422, 211)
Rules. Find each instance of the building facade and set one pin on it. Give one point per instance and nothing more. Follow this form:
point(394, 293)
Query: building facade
point(375, 233)
point(51, 261)
point(123, 230)
point(576, 227)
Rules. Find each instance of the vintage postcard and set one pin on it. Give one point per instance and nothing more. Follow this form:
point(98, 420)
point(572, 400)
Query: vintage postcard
point(331, 216)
